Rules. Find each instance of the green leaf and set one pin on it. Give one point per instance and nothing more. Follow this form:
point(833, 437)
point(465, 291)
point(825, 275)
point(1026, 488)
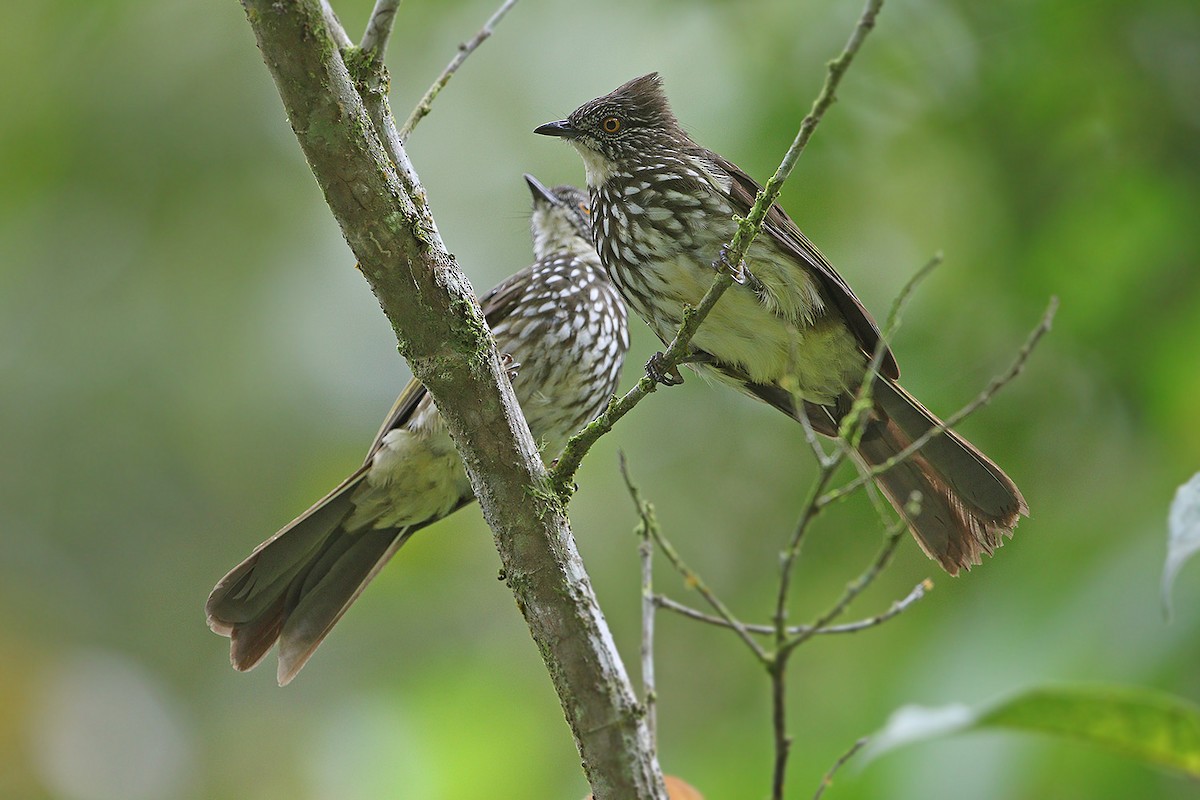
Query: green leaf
point(1183, 534)
point(1146, 725)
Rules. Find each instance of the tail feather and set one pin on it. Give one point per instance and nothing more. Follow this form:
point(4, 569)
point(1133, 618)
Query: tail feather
point(320, 603)
point(969, 472)
point(296, 585)
point(250, 641)
point(968, 505)
point(253, 586)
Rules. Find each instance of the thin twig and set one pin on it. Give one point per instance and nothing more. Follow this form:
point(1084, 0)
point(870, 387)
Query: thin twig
point(851, 426)
point(690, 578)
point(465, 49)
point(783, 742)
point(843, 449)
point(379, 29)
point(982, 399)
point(693, 581)
point(646, 526)
point(896, 312)
point(371, 80)
point(810, 435)
point(747, 229)
point(846, 756)
point(898, 607)
point(857, 586)
point(788, 558)
point(649, 691)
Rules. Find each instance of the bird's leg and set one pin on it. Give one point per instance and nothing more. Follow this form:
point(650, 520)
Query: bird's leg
point(510, 366)
point(738, 272)
point(658, 371)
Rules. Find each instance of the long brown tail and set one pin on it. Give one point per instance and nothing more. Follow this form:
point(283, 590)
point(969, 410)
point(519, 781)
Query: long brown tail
point(296, 585)
point(967, 506)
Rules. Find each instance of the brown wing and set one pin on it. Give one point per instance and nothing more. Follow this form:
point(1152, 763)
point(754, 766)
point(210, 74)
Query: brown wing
point(780, 227)
point(497, 304)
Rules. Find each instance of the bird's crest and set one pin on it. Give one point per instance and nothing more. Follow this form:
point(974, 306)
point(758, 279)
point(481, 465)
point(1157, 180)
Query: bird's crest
point(643, 99)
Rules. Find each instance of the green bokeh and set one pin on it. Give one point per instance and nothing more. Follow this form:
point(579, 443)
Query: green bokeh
point(189, 358)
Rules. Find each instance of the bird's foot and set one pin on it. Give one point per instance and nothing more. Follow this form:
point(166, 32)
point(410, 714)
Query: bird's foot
point(740, 274)
point(510, 366)
point(736, 271)
point(659, 372)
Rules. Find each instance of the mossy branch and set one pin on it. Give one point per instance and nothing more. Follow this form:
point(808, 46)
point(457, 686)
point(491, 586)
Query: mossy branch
point(364, 173)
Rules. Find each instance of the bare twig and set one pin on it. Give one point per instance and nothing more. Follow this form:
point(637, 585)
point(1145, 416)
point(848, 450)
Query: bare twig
point(896, 312)
point(649, 691)
point(785, 642)
point(694, 581)
point(379, 29)
point(647, 525)
point(784, 646)
point(846, 756)
point(855, 587)
point(843, 449)
point(788, 558)
point(810, 435)
point(896, 608)
point(425, 105)
point(778, 665)
point(982, 399)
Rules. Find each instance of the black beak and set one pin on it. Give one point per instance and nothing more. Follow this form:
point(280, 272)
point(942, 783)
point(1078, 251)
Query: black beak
point(540, 193)
point(562, 128)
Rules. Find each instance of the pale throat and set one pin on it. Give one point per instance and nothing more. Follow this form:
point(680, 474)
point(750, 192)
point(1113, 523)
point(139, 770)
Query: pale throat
point(596, 167)
point(554, 233)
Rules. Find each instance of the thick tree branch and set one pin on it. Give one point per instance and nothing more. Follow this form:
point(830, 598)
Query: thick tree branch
point(442, 333)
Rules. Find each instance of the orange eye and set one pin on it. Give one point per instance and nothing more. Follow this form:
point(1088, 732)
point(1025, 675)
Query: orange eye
point(583, 207)
point(611, 124)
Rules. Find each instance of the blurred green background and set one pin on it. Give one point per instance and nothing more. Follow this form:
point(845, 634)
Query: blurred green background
point(189, 359)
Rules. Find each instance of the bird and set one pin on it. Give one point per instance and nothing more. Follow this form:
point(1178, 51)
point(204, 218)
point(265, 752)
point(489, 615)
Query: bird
point(789, 331)
point(561, 327)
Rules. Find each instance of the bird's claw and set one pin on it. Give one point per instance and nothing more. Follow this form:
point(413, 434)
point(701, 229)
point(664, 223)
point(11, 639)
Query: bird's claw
point(736, 271)
point(740, 274)
point(510, 366)
point(659, 371)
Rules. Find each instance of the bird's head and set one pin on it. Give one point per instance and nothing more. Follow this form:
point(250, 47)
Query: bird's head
point(561, 219)
point(621, 128)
